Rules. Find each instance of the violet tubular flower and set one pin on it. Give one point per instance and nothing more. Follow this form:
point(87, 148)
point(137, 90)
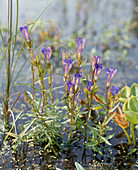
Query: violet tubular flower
point(25, 32)
point(67, 65)
point(98, 69)
point(76, 79)
point(47, 53)
point(110, 74)
point(80, 45)
point(96, 59)
point(89, 85)
point(114, 90)
point(70, 87)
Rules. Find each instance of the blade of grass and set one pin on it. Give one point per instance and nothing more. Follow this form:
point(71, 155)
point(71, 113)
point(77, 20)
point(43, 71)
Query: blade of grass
point(16, 30)
point(14, 121)
point(41, 14)
point(2, 38)
point(18, 74)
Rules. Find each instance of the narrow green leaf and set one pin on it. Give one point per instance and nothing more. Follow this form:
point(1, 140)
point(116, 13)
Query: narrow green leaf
point(113, 109)
point(78, 166)
point(109, 118)
point(106, 141)
point(132, 151)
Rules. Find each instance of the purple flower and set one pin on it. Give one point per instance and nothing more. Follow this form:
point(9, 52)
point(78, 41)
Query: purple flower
point(110, 74)
point(70, 87)
point(98, 69)
point(114, 90)
point(80, 45)
point(67, 64)
point(89, 85)
point(77, 96)
point(96, 59)
point(76, 79)
point(47, 53)
point(25, 32)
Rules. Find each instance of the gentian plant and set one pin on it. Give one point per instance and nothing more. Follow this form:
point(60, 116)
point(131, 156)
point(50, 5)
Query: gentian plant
point(80, 47)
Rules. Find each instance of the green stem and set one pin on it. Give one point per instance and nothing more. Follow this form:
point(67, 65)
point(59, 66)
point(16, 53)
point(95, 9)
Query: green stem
point(2, 38)
point(133, 134)
point(8, 64)
point(129, 140)
point(16, 30)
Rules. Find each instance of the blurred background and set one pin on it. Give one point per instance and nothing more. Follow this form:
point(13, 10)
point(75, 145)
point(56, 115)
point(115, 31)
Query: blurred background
point(110, 28)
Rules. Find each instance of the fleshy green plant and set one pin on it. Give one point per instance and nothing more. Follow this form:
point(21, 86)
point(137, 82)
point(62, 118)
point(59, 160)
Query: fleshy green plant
point(129, 98)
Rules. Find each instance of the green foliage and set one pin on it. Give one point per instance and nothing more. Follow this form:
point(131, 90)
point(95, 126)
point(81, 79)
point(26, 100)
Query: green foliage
point(78, 166)
point(128, 96)
point(124, 94)
point(134, 89)
point(133, 150)
point(130, 109)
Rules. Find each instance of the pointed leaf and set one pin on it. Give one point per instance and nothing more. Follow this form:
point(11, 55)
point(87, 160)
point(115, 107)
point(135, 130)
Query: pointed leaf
point(78, 166)
point(133, 103)
point(133, 150)
point(105, 140)
point(130, 108)
point(97, 107)
point(134, 89)
point(131, 116)
point(124, 94)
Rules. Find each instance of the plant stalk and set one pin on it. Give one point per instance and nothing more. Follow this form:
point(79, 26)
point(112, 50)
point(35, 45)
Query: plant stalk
point(8, 59)
point(129, 140)
point(51, 88)
point(133, 134)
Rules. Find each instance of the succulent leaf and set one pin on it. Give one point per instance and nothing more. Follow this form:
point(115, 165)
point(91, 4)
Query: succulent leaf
point(124, 94)
point(134, 89)
point(130, 108)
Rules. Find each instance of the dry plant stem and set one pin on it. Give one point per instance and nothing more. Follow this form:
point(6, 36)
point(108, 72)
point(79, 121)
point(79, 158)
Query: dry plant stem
point(32, 68)
point(33, 81)
point(44, 121)
point(43, 89)
point(71, 120)
point(89, 107)
point(51, 88)
point(15, 100)
point(79, 61)
point(106, 117)
point(101, 130)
